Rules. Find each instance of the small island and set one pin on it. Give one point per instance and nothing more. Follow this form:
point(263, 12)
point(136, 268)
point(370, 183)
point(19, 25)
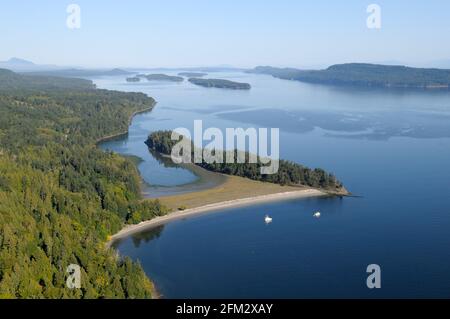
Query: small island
point(134, 79)
point(220, 83)
point(164, 77)
point(193, 74)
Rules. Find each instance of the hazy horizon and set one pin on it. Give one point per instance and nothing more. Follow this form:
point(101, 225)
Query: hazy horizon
point(203, 33)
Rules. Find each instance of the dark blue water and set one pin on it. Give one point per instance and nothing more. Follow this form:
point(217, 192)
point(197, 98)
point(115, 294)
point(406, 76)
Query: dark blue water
point(390, 147)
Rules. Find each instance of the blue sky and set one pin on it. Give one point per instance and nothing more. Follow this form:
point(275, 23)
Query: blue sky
point(242, 33)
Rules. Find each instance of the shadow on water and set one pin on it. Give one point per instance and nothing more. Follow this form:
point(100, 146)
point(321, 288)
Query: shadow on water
point(147, 236)
point(141, 237)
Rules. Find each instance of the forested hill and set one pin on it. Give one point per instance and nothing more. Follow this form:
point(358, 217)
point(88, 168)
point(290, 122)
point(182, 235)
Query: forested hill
point(10, 81)
point(369, 75)
point(60, 196)
point(289, 173)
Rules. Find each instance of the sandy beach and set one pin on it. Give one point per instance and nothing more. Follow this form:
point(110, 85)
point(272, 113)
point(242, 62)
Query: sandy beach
point(131, 229)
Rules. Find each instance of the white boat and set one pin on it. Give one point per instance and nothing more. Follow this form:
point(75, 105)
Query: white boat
point(268, 219)
point(317, 214)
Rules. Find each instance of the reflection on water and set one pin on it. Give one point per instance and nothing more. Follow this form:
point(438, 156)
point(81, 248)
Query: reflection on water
point(156, 171)
point(145, 236)
point(204, 179)
point(297, 107)
point(160, 176)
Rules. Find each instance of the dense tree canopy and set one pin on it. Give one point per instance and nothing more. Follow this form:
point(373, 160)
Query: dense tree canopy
point(60, 196)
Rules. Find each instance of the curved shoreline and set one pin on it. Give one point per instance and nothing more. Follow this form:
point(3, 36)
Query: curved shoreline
point(196, 211)
point(128, 230)
point(130, 119)
point(146, 225)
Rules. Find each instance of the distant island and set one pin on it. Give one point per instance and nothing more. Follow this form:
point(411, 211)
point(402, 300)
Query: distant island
point(193, 74)
point(289, 173)
point(219, 83)
point(134, 79)
point(164, 77)
point(22, 65)
point(368, 75)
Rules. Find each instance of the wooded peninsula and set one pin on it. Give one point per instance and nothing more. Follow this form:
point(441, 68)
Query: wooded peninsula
point(366, 75)
point(60, 196)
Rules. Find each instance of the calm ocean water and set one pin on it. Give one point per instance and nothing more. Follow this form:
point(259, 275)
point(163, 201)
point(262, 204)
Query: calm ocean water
point(391, 147)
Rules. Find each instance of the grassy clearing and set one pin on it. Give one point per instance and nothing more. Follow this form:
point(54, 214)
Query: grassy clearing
point(232, 188)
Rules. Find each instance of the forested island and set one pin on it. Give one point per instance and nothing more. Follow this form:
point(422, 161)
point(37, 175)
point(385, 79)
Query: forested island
point(192, 74)
point(289, 173)
point(134, 79)
point(60, 196)
point(219, 83)
point(368, 75)
point(164, 77)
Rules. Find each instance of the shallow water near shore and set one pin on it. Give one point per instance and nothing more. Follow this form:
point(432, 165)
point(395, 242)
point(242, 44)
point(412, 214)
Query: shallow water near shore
point(392, 147)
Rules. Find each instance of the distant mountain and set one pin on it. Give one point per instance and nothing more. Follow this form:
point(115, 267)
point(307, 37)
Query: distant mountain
point(82, 73)
point(363, 74)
